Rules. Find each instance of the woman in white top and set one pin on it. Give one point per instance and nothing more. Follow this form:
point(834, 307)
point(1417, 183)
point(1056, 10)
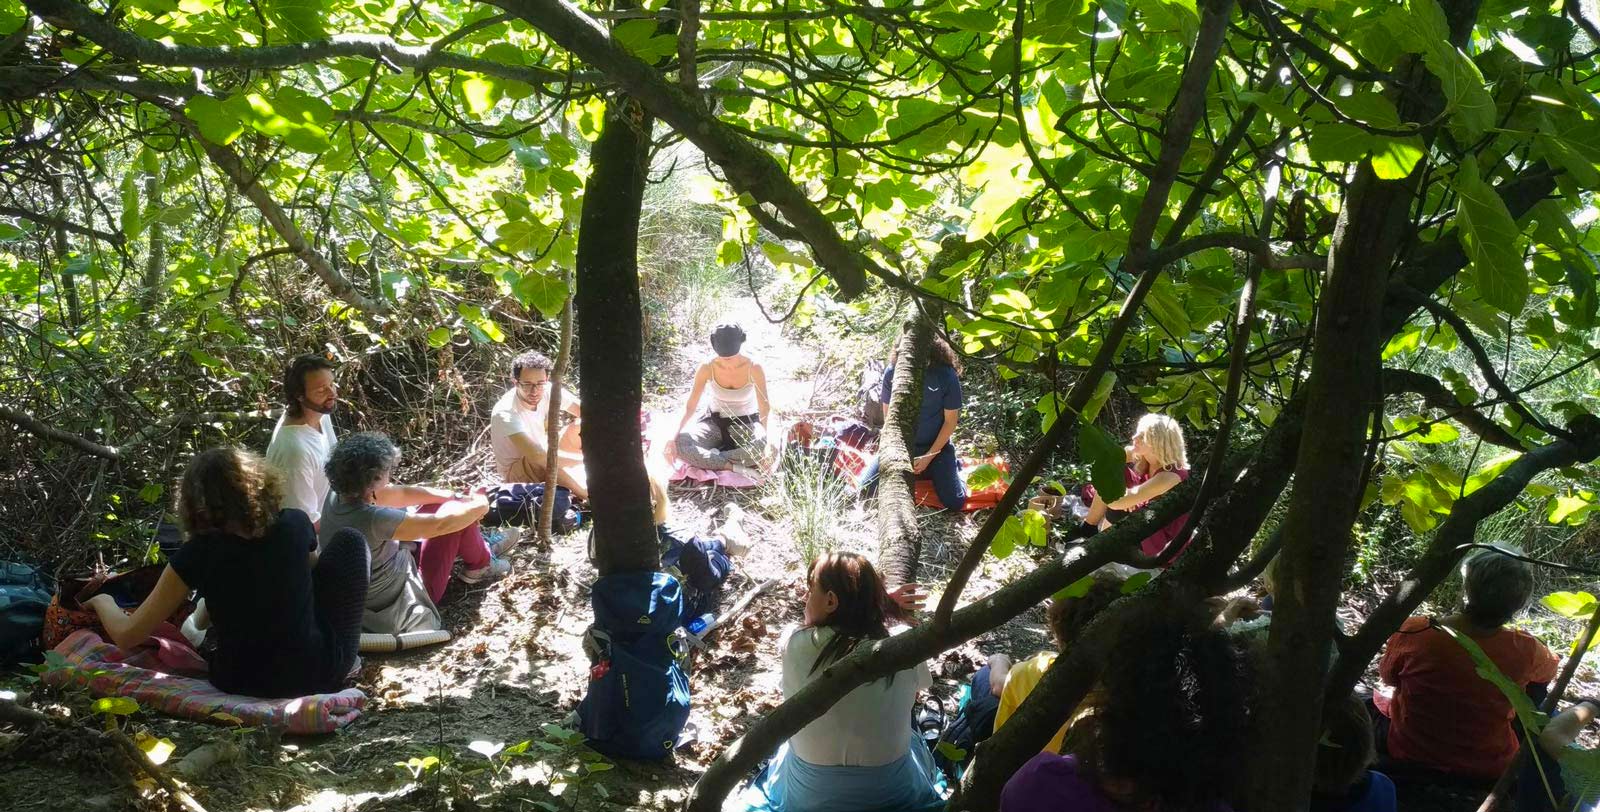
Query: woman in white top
point(733, 429)
point(863, 754)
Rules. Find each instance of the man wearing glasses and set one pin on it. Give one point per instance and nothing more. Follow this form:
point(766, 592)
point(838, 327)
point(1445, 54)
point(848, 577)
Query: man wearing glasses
point(517, 428)
point(303, 438)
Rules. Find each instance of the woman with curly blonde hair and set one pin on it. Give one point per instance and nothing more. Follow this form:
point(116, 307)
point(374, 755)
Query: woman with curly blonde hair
point(287, 620)
point(1157, 461)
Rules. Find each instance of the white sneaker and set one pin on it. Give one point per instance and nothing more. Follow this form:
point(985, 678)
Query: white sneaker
point(498, 568)
point(506, 539)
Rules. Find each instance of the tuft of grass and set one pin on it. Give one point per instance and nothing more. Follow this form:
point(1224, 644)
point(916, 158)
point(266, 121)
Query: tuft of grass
point(817, 505)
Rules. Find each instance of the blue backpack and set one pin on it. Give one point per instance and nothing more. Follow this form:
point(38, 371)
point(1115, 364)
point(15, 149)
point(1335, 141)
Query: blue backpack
point(24, 596)
point(638, 698)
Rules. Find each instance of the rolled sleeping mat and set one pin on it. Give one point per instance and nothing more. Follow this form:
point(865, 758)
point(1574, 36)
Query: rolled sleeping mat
point(378, 643)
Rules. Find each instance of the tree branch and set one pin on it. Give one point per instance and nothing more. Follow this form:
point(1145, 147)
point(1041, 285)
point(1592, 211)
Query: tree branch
point(905, 650)
point(33, 425)
point(1188, 106)
point(1481, 356)
point(75, 16)
point(1435, 395)
point(900, 539)
point(748, 168)
point(60, 223)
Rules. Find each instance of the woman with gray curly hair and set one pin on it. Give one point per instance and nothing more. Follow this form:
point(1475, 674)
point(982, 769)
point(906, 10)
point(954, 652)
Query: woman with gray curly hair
point(404, 590)
point(1443, 716)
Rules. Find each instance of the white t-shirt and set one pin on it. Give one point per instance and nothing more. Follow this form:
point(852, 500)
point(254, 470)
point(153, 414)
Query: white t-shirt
point(299, 452)
point(869, 727)
point(511, 417)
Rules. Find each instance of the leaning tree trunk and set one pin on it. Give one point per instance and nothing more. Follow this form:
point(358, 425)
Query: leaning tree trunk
point(897, 510)
point(610, 331)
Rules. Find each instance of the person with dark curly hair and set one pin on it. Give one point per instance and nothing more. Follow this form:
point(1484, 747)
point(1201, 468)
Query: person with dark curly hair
point(287, 619)
point(933, 455)
point(405, 589)
point(862, 754)
point(303, 438)
point(519, 434)
point(1168, 735)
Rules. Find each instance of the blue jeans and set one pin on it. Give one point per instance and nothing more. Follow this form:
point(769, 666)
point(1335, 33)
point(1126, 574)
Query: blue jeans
point(944, 469)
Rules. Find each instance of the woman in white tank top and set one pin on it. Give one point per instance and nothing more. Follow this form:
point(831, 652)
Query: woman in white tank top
point(731, 432)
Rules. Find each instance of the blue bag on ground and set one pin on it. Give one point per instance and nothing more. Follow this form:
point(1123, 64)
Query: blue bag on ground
point(703, 564)
point(24, 596)
point(638, 699)
point(517, 504)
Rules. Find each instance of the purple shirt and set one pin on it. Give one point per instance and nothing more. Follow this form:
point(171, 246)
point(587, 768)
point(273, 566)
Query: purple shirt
point(1052, 783)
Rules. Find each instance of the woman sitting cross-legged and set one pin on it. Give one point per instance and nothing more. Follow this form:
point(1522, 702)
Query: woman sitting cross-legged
point(287, 619)
point(402, 597)
point(1444, 718)
point(1169, 734)
point(863, 753)
point(733, 429)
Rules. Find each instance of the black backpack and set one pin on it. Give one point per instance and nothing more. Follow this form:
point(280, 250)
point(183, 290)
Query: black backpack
point(24, 597)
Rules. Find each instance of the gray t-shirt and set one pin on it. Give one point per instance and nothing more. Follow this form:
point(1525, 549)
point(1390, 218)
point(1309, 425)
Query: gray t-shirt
point(397, 600)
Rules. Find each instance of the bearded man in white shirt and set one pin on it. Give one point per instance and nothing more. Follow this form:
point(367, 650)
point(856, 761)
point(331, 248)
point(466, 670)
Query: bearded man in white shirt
point(303, 439)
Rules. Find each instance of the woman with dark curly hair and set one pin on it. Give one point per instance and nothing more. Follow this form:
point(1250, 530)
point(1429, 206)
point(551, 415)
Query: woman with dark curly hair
point(1168, 734)
point(933, 455)
point(287, 620)
point(403, 595)
point(862, 754)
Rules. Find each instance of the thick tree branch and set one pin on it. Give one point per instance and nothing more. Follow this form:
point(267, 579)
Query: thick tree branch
point(63, 224)
point(748, 168)
point(233, 167)
point(75, 16)
point(1435, 395)
point(1255, 246)
point(31, 424)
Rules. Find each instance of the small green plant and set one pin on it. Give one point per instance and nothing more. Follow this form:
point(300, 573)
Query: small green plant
point(813, 500)
point(573, 765)
point(418, 766)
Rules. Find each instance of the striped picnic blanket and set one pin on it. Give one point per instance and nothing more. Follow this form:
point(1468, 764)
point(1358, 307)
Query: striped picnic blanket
point(95, 668)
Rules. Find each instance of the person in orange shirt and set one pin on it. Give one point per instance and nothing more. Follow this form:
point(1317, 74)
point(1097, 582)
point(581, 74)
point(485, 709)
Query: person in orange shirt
point(1443, 716)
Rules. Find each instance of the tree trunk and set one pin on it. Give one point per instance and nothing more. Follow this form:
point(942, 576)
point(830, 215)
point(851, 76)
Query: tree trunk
point(558, 376)
point(610, 326)
point(897, 509)
point(1340, 398)
point(69, 282)
point(156, 262)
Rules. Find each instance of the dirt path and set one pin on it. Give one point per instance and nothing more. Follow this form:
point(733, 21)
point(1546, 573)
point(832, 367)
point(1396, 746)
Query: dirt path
point(515, 670)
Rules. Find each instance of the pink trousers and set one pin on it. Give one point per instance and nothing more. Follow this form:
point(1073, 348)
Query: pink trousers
point(439, 554)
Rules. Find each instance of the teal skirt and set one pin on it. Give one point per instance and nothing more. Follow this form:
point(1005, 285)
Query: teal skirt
point(791, 784)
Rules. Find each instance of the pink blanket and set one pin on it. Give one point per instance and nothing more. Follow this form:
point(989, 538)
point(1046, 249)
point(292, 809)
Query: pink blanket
point(96, 665)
